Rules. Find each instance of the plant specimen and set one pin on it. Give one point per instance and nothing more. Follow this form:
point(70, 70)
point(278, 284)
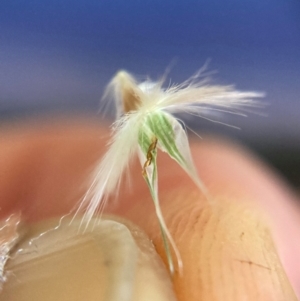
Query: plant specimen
point(145, 122)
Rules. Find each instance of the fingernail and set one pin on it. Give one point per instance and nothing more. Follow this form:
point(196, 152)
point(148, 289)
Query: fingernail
point(108, 261)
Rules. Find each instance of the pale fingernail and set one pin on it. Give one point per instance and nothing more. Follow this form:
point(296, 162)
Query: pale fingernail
point(56, 261)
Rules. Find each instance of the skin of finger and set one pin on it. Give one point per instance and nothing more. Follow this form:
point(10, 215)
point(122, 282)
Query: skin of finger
point(45, 169)
point(226, 248)
point(187, 214)
point(252, 181)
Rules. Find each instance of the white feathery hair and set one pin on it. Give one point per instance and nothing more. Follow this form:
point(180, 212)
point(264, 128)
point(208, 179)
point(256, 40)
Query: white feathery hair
point(190, 97)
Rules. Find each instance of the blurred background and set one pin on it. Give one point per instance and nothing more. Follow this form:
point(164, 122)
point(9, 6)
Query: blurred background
point(57, 56)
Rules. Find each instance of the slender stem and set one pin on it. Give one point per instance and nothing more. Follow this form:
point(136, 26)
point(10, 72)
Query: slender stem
point(161, 225)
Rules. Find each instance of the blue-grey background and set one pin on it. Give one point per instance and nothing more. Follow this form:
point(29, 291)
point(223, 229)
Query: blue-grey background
point(56, 56)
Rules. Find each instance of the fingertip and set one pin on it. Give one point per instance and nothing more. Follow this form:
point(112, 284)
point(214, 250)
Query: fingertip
point(235, 178)
point(232, 171)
